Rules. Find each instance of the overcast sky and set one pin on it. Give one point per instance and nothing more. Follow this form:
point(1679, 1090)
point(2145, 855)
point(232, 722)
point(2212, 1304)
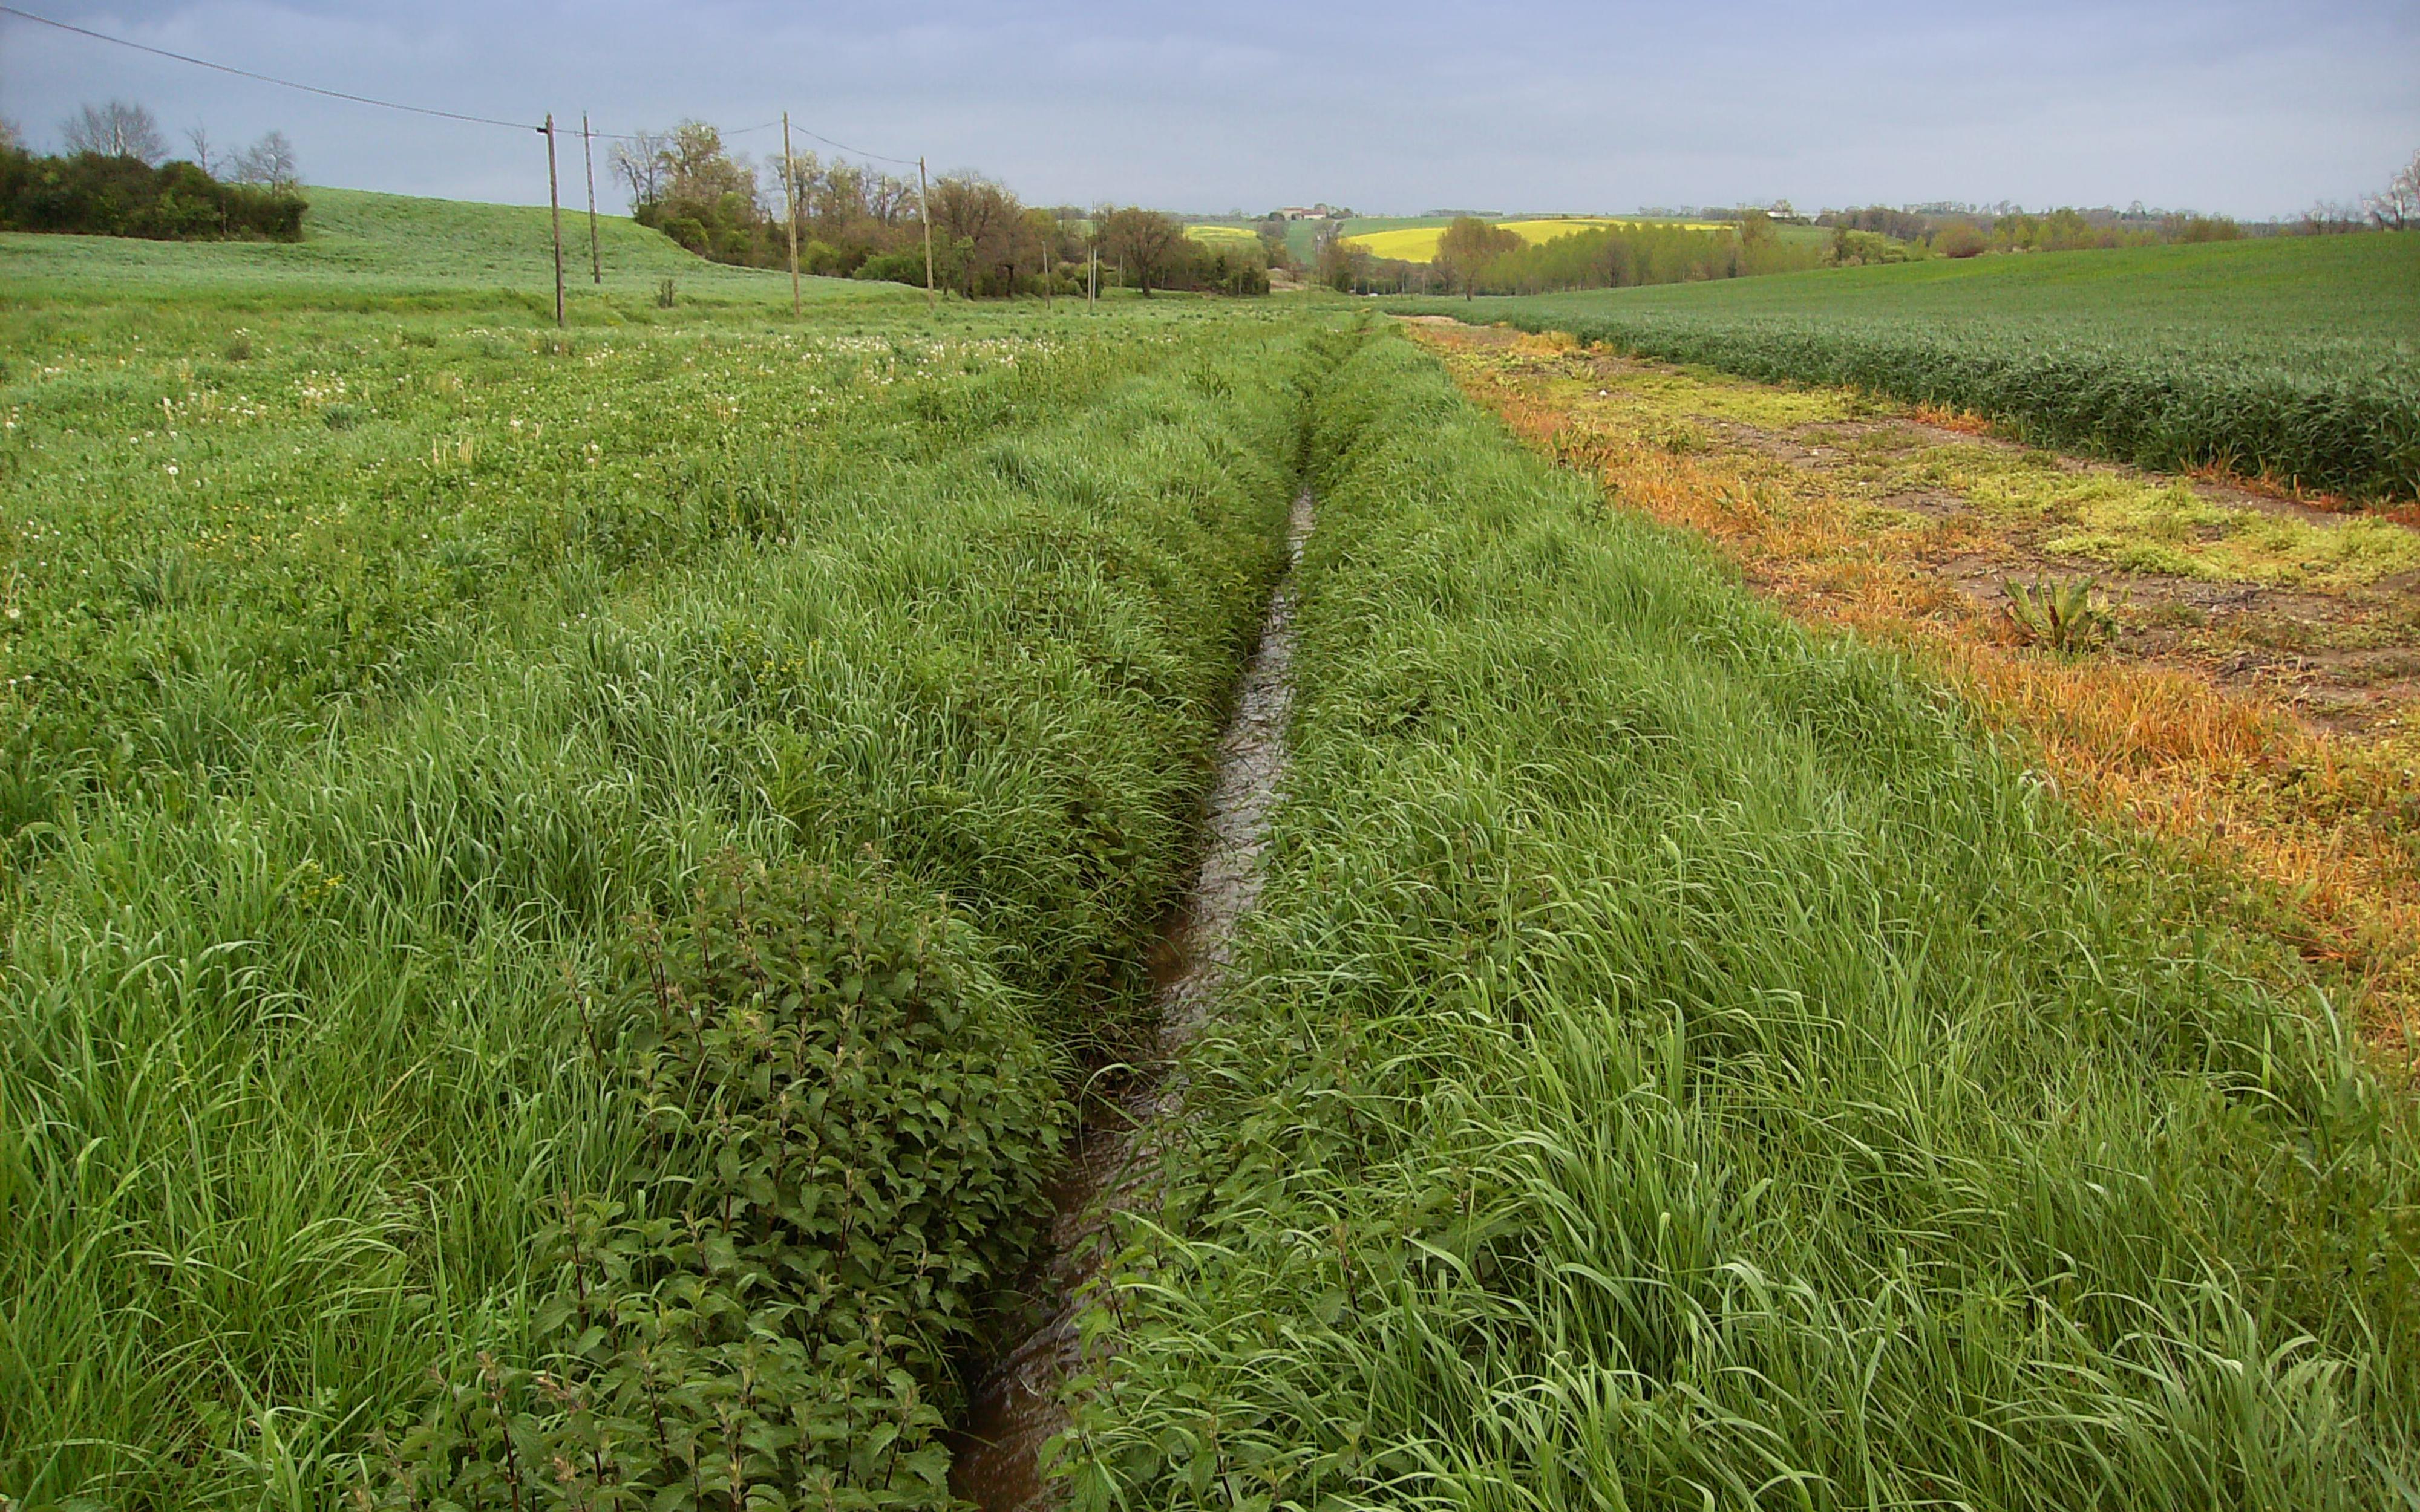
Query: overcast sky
point(2249, 107)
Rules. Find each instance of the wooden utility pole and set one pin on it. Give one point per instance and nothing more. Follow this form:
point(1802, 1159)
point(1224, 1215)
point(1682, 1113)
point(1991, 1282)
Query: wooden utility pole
point(588, 150)
point(790, 200)
point(554, 204)
point(1091, 272)
point(924, 210)
point(1050, 265)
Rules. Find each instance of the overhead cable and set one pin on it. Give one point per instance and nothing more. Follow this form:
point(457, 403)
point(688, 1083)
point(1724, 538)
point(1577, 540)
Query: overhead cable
point(395, 104)
point(285, 84)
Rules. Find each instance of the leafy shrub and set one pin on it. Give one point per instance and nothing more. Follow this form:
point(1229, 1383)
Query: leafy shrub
point(95, 195)
point(1852, 248)
point(1960, 238)
point(848, 1119)
point(893, 268)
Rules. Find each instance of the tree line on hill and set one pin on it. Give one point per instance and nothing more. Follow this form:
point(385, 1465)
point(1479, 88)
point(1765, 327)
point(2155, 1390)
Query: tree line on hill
point(1958, 230)
point(1475, 257)
point(114, 177)
point(853, 221)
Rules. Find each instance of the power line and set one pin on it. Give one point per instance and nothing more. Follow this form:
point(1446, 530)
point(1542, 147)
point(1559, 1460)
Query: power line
point(904, 162)
point(392, 104)
point(286, 83)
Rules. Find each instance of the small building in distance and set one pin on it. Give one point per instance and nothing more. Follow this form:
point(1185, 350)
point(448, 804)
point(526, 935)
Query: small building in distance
point(1322, 211)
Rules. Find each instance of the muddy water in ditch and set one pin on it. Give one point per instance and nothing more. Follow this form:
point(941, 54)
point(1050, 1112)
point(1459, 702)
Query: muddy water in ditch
point(1015, 1407)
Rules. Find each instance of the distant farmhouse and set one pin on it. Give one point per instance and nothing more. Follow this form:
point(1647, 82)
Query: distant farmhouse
point(1322, 211)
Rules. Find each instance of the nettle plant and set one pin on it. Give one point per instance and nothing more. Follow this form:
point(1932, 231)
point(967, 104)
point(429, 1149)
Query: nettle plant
point(846, 1112)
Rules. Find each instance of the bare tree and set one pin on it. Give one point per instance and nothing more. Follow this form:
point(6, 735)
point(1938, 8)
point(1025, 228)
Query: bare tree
point(641, 165)
point(116, 130)
point(2328, 218)
point(12, 136)
point(267, 163)
point(2397, 208)
point(199, 136)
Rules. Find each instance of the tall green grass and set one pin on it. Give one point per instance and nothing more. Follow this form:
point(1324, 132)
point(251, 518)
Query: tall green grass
point(329, 834)
point(367, 251)
point(2293, 357)
point(1676, 1062)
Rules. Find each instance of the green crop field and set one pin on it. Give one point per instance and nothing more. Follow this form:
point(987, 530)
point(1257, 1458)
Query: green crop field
point(368, 250)
point(559, 892)
point(2297, 358)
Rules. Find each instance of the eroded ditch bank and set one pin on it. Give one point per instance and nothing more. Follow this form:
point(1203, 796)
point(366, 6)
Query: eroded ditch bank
point(1014, 1407)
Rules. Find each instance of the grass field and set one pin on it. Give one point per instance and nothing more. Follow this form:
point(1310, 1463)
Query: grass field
point(557, 891)
point(1678, 1064)
point(370, 251)
point(368, 676)
point(2293, 359)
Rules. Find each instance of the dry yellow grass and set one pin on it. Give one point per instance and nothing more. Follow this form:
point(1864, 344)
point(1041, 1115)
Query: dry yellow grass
point(2326, 825)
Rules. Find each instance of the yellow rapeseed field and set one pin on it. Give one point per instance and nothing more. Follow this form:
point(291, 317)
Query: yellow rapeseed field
point(1419, 244)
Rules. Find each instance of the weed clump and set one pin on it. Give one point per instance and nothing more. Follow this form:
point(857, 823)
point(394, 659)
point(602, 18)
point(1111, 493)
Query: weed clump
point(2059, 616)
point(847, 1121)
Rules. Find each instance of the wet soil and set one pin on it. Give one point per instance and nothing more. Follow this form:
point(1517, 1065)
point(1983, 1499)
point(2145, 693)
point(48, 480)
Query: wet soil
point(1014, 1407)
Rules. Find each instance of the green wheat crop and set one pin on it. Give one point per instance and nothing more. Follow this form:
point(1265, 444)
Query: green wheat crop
point(2292, 358)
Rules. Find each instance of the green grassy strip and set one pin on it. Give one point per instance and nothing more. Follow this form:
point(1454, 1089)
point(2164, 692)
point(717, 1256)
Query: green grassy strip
point(1676, 1063)
point(367, 251)
point(299, 1035)
point(2290, 359)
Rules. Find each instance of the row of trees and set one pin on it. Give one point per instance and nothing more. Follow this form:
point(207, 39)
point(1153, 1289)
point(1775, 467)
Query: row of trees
point(855, 220)
point(116, 179)
point(1474, 257)
point(1932, 230)
point(1966, 231)
point(120, 129)
point(2395, 208)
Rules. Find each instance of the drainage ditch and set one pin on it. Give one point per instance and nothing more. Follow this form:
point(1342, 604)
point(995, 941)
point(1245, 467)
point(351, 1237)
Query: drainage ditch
point(1015, 1406)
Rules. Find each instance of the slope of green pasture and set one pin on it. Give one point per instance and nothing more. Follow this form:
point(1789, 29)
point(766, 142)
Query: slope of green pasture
point(359, 246)
point(1676, 1062)
point(362, 675)
point(2295, 357)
